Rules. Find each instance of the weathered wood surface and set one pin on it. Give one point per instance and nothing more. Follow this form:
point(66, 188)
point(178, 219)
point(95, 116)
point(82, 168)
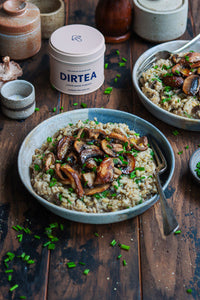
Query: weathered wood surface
point(158, 267)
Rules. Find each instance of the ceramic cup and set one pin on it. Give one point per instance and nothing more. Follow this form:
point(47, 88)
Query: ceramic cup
point(52, 14)
point(18, 99)
point(160, 20)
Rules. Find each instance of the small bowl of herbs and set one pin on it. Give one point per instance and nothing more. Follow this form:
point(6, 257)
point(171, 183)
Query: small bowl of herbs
point(194, 165)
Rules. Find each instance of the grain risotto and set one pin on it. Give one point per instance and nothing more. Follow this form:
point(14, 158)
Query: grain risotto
point(173, 84)
point(94, 167)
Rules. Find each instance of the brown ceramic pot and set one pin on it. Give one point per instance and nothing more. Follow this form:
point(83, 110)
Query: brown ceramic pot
point(114, 19)
point(20, 29)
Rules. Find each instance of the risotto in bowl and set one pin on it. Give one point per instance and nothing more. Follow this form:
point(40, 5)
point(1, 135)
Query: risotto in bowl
point(170, 88)
point(86, 167)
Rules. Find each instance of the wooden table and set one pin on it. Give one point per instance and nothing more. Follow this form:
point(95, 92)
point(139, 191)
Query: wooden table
point(158, 267)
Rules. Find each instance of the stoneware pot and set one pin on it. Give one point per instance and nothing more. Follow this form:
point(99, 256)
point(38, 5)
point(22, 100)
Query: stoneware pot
point(114, 19)
point(18, 99)
point(160, 20)
point(52, 14)
point(20, 29)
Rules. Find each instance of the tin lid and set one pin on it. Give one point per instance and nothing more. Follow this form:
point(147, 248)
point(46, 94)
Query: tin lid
point(161, 5)
point(18, 17)
point(77, 43)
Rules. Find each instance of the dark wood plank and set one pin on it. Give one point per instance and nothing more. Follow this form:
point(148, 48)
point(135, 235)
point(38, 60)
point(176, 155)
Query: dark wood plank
point(108, 278)
point(170, 265)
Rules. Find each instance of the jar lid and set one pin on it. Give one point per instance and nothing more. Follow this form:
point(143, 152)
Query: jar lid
point(76, 43)
point(161, 5)
point(18, 17)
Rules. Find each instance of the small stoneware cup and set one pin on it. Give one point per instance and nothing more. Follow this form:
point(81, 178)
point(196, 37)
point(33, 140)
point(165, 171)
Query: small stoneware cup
point(18, 99)
point(52, 14)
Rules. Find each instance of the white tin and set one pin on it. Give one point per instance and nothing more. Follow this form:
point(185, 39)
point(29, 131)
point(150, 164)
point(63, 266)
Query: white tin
point(76, 59)
point(160, 20)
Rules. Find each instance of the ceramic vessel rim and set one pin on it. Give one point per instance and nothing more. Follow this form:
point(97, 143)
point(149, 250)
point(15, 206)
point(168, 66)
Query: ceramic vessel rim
point(17, 81)
point(161, 13)
point(55, 11)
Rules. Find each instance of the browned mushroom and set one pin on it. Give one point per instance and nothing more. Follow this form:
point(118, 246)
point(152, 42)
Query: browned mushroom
point(63, 146)
point(91, 151)
point(191, 85)
point(49, 159)
point(9, 70)
point(107, 148)
point(117, 173)
point(193, 57)
point(140, 144)
point(89, 178)
point(64, 180)
point(74, 179)
point(78, 146)
point(131, 164)
point(120, 137)
point(95, 133)
point(173, 81)
point(97, 189)
point(105, 171)
point(90, 163)
point(179, 70)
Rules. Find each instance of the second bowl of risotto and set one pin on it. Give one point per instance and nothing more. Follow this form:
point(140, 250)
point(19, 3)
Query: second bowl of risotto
point(169, 89)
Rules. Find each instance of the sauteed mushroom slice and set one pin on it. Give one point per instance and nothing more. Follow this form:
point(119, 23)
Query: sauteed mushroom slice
point(89, 178)
point(107, 148)
point(92, 151)
point(79, 145)
point(191, 85)
point(71, 158)
point(96, 133)
point(131, 164)
point(49, 159)
point(90, 163)
point(173, 81)
point(60, 175)
point(105, 171)
point(179, 70)
point(140, 144)
point(97, 189)
point(74, 179)
point(120, 137)
point(117, 173)
point(63, 146)
point(192, 57)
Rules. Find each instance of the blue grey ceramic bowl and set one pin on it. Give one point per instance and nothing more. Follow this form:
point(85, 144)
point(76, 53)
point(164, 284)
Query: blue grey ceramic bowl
point(47, 128)
point(158, 112)
point(195, 158)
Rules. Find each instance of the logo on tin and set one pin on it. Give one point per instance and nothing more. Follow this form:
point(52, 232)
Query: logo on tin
point(76, 38)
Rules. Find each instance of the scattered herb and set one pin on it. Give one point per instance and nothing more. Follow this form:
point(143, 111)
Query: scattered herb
point(189, 291)
point(83, 105)
point(108, 90)
point(124, 247)
point(117, 52)
point(177, 232)
point(86, 271)
point(37, 109)
point(175, 132)
point(71, 265)
point(54, 109)
point(75, 104)
point(124, 262)
point(49, 139)
point(197, 170)
point(106, 65)
point(122, 64)
point(113, 243)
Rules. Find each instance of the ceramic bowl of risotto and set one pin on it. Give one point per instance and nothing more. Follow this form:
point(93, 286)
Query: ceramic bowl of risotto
point(93, 165)
point(162, 88)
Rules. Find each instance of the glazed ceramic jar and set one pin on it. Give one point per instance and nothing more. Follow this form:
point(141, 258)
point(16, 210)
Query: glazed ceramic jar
point(20, 29)
point(76, 59)
point(160, 20)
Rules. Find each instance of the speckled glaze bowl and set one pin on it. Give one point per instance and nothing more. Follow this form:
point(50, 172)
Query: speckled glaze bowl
point(52, 14)
point(158, 112)
point(195, 158)
point(18, 99)
point(47, 128)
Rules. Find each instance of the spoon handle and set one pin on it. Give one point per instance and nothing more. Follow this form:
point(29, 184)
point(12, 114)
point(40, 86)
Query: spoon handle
point(187, 44)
